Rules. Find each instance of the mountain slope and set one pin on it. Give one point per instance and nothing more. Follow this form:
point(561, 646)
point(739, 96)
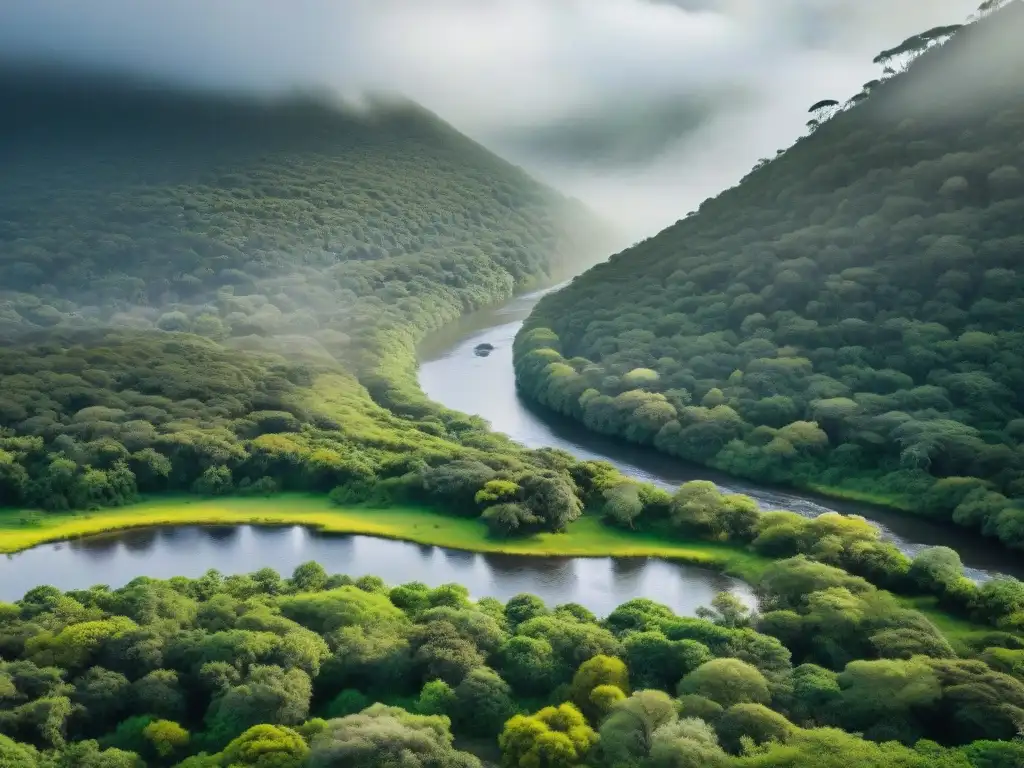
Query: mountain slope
point(310, 245)
point(848, 316)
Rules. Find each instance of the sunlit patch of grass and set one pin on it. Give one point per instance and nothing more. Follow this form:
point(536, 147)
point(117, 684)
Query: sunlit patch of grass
point(887, 500)
point(586, 537)
point(963, 634)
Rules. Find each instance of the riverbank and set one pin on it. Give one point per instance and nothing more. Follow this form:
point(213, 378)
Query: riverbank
point(452, 375)
point(586, 537)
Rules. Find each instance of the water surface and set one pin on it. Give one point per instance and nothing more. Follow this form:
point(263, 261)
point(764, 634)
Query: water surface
point(600, 583)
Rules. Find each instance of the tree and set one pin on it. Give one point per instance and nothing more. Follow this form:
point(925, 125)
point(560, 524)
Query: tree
point(510, 519)
point(103, 695)
point(483, 702)
point(727, 682)
point(166, 736)
point(627, 734)
point(603, 699)
point(268, 694)
point(886, 694)
point(686, 743)
point(382, 736)
point(523, 607)
point(309, 577)
point(266, 746)
point(999, 597)
point(752, 721)
point(15, 755)
point(554, 737)
point(935, 567)
point(823, 110)
point(446, 654)
point(700, 707)
point(726, 610)
point(436, 698)
point(657, 662)
point(159, 694)
point(597, 671)
point(87, 754)
point(699, 505)
point(815, 695)
point(347, 702)
point(622, 504)
point(528, 663)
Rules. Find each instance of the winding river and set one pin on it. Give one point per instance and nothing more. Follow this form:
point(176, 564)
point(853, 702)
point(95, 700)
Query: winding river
point(451, 374)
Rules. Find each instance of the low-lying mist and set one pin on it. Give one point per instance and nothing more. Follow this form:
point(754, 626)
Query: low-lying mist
point(641, 108)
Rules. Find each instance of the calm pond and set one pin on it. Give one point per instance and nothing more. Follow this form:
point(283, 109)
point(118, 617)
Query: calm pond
point(600, 584)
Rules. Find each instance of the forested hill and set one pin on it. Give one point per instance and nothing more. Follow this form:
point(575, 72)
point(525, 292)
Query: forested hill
point(848, 317)
point(161, 250)
point(119, 197)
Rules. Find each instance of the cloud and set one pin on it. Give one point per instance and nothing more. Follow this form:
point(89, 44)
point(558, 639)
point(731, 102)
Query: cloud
point(640, 107)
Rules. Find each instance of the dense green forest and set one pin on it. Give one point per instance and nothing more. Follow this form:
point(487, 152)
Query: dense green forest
point(203, 292)
point(329, 672)
point(212, 294)
point(848, 317)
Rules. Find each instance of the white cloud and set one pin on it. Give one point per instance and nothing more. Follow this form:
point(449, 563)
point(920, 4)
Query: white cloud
point(708, 86)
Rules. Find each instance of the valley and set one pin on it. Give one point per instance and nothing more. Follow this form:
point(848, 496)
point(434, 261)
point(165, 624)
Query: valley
point(330, 438)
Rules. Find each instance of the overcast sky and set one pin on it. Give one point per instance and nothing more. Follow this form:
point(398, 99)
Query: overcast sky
point(642, 108)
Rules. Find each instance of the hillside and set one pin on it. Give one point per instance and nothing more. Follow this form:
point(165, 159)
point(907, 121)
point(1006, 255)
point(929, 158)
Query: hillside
point(202, 291)
point(847, 318)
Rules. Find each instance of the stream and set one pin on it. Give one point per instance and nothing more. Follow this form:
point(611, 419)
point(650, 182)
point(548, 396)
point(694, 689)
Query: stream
point(451, 374)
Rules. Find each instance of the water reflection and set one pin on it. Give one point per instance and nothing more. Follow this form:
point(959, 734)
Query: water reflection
point(458, 558)
point(599, 584)
point(142, 539)
point(223, 534)
point(94, 547)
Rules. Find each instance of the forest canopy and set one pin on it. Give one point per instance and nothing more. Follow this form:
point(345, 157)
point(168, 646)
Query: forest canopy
point(210, 294)
point(323, 671)
point(847, 318)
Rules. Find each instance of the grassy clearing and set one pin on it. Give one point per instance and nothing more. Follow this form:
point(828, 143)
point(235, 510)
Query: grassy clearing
point(884, 500)
point(587, 537)
point(961, 633)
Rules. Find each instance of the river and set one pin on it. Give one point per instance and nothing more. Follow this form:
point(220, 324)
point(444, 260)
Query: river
point(451, 374)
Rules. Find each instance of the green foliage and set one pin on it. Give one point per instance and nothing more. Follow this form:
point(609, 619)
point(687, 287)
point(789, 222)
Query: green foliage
point(347, 702)
point(482, 703)
point(727, 682)
point(15, 755)
point(167, 737)
point(628, 732)
point(266, 746)
point(754, 722)
point(218, 672)
point(383, 736)
point(554, 737)
point(313, 247)
point(436, 698)
point(595, 672)
point(844, 318)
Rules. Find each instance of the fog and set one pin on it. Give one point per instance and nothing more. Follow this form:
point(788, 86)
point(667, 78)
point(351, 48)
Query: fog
point(641, 108)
